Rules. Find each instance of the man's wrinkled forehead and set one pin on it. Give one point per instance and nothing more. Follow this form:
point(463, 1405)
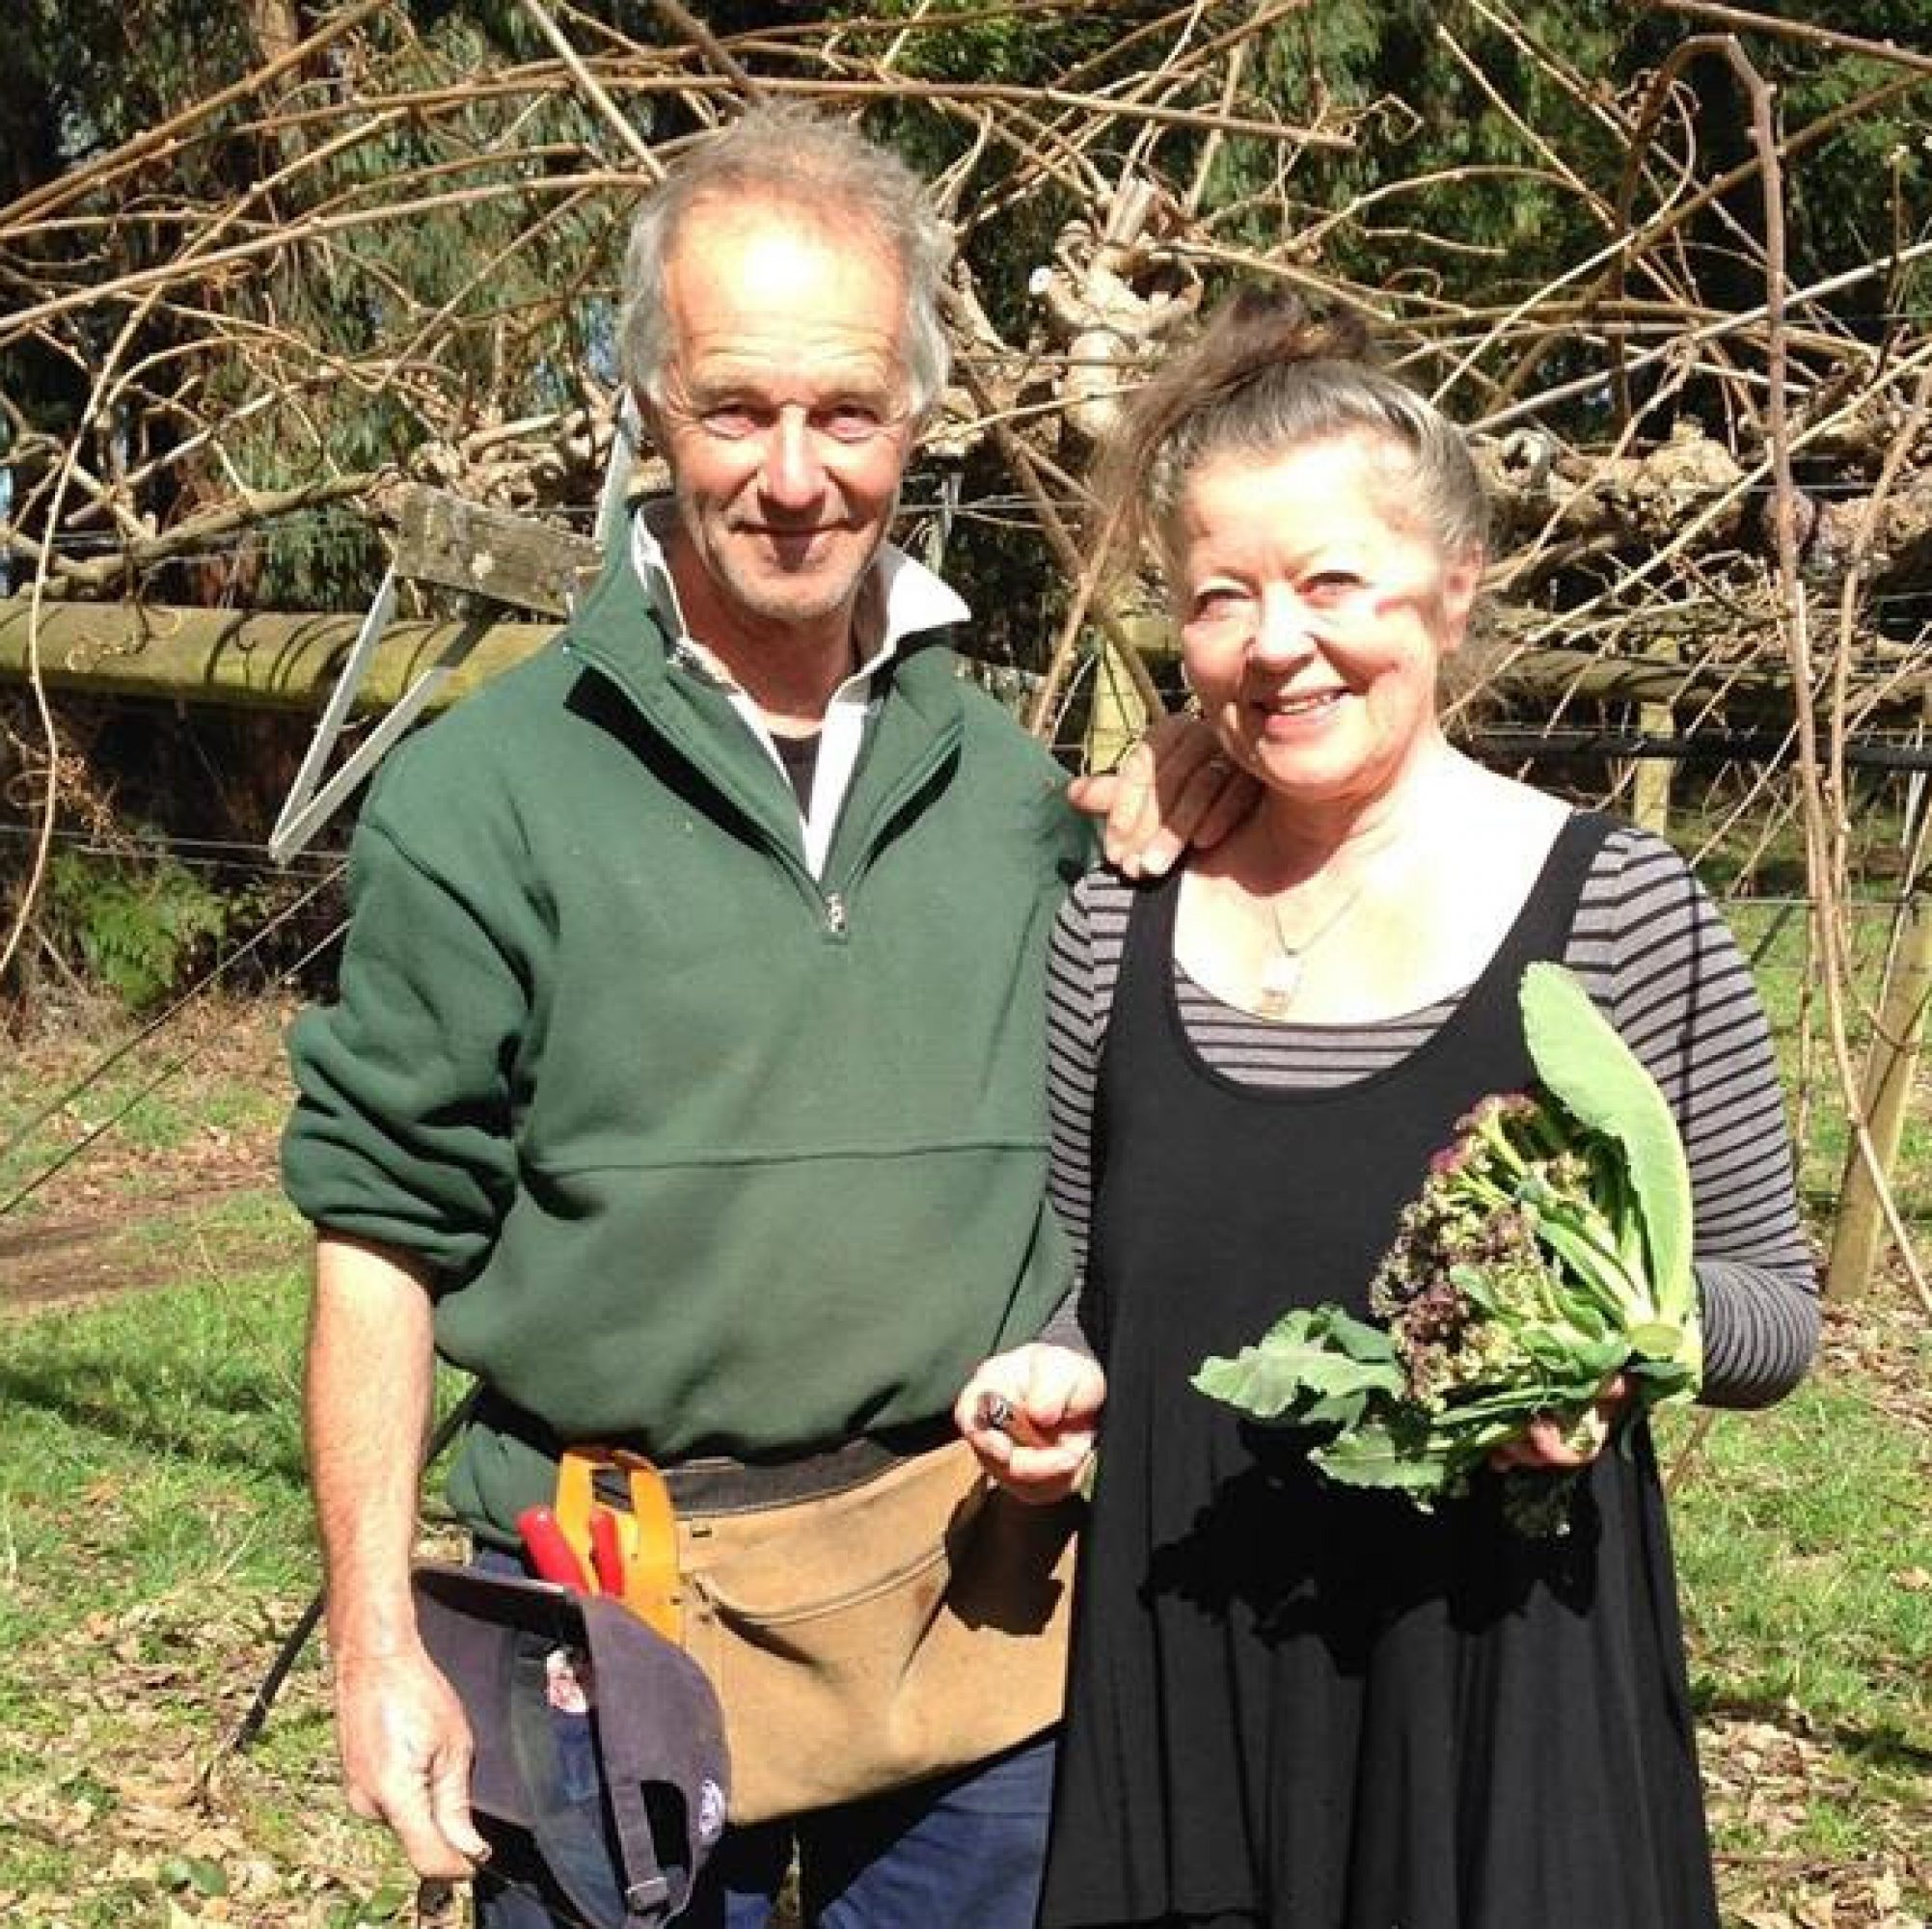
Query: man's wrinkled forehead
point(754, 282)
point(766, 249)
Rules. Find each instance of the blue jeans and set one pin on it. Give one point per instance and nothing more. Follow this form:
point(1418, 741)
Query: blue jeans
point(962, 1851)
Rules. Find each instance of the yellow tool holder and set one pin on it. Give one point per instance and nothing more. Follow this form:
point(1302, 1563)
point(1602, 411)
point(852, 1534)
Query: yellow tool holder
point(648, 1531)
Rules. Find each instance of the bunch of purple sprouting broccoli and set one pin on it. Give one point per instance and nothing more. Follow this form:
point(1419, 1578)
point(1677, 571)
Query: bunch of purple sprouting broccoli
point(1548, 1253)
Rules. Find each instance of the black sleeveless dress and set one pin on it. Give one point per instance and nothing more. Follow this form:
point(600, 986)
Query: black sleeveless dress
point(1300, 1706)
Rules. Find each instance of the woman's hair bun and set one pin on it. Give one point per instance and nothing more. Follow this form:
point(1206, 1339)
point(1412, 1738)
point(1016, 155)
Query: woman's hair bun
point(1269, 374)
point(1267, 326)
point(1255, 335)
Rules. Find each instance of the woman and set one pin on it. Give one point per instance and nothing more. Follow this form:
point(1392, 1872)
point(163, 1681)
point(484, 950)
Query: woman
point(1293, 1704)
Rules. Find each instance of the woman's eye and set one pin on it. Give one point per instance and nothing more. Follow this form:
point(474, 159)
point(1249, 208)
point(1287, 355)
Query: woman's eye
point(1216, 600)
point(1329, 586)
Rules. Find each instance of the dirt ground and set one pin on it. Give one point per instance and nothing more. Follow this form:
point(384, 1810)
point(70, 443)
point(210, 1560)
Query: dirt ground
point(70, 1262)
point(106, 1187)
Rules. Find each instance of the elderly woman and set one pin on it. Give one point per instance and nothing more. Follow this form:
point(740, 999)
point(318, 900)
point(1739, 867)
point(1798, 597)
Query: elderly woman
point(1291, 1703)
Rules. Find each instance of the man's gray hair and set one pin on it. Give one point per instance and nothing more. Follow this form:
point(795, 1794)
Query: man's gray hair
point(785, 156)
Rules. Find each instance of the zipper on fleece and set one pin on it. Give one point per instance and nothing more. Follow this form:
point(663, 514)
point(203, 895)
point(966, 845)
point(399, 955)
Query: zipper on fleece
point(834, 898)
point(830, 902)
point(894, 805)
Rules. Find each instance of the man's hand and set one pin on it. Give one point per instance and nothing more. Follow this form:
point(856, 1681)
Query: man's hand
point(1173, 789)
point(406, 1747)
point(1030, 1416)
point(404, 1737)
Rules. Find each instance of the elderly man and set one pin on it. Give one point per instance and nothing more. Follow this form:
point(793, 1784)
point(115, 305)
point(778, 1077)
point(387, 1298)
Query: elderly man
point(685, 1084)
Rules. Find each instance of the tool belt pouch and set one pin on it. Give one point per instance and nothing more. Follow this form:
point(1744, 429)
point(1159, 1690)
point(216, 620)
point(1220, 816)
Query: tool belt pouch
point(907, 1626)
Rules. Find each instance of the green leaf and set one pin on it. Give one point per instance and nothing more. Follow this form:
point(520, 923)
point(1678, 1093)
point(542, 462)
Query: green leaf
point(1566, 1356)
point(1588, 1266)
point(1584, 1062)
point(1656, 1340)
point(194, 1872)
point(1376, 1454)
point(1661, 1380)
point(1495, 1416)
point(1343, 1409)
point(1315, 1366)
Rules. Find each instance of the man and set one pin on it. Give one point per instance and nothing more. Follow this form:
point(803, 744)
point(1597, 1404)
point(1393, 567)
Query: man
point(685, 1080)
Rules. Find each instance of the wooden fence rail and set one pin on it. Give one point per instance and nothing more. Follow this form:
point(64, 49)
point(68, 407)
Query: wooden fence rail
point(287, 660)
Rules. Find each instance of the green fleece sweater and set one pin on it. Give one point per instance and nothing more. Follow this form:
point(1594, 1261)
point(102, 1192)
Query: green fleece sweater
point(702, 1154)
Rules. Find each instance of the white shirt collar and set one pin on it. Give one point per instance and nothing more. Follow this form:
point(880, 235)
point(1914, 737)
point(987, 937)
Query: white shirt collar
point(906, 597)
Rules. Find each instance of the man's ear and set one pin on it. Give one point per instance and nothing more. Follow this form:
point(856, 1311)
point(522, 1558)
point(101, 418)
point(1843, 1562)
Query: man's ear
point(650, 422)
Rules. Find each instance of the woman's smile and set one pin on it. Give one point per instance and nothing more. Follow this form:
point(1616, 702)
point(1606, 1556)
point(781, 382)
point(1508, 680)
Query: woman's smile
point(1285, 713)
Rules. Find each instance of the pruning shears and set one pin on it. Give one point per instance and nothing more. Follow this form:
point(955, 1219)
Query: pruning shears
point(629, 1551)
point(550, 1550)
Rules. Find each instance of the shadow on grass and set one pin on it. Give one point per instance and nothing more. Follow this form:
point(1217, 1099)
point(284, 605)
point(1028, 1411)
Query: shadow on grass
point(215, 1431)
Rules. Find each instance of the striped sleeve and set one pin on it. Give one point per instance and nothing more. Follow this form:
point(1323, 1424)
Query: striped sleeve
point(1657, 954)
point(1082, 968)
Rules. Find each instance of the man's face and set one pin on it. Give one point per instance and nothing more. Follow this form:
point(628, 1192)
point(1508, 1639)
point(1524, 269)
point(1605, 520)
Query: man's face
point(783, 416)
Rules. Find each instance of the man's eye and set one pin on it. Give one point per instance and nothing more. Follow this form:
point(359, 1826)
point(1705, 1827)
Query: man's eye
point(732, 421)
point(850, 422)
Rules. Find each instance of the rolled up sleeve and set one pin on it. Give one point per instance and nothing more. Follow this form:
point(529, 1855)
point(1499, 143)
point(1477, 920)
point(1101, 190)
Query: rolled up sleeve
point(402, 1126)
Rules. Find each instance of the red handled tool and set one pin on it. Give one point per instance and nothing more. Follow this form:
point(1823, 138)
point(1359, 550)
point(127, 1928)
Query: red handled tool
point(607, 1551)
point(644, 1572)
point(549, 1551)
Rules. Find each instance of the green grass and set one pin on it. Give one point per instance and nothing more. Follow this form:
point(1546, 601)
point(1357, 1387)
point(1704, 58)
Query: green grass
point(1804, 1533)
point(1806, 1546)
point(154, 1544)
point(1788, 980)
point(164, 1120)
point(151, 1521)
point(159, 1119)
point(154, 1548)
point(1804, 1556)
point(152, 1436)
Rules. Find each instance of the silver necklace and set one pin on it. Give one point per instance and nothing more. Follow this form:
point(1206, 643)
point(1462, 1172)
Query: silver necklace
point(1281, 975)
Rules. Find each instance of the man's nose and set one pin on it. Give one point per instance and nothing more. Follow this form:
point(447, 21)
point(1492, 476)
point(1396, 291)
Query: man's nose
point(791, 472)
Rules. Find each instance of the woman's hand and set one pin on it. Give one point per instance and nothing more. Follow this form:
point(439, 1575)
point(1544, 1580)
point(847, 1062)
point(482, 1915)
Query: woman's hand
point(1030, 1416)
point(1547, 1443)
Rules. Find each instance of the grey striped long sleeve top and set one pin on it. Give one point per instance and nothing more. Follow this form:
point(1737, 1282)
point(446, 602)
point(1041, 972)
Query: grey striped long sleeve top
point(1655, 954)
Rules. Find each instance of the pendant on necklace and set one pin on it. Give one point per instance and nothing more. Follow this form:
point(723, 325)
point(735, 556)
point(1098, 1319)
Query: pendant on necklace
point(1275, 988)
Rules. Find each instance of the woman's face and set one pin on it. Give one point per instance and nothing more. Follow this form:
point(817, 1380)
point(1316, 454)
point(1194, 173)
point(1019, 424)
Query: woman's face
point(1312, 625)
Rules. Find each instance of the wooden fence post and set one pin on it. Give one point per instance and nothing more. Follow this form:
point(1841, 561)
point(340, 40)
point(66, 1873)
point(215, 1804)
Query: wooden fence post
point(1650, 779)
point(1117, 717)
point(1890, 1070)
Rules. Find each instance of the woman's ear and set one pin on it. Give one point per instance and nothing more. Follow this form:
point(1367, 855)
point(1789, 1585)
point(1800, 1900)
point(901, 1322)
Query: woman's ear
point(1461, 579)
